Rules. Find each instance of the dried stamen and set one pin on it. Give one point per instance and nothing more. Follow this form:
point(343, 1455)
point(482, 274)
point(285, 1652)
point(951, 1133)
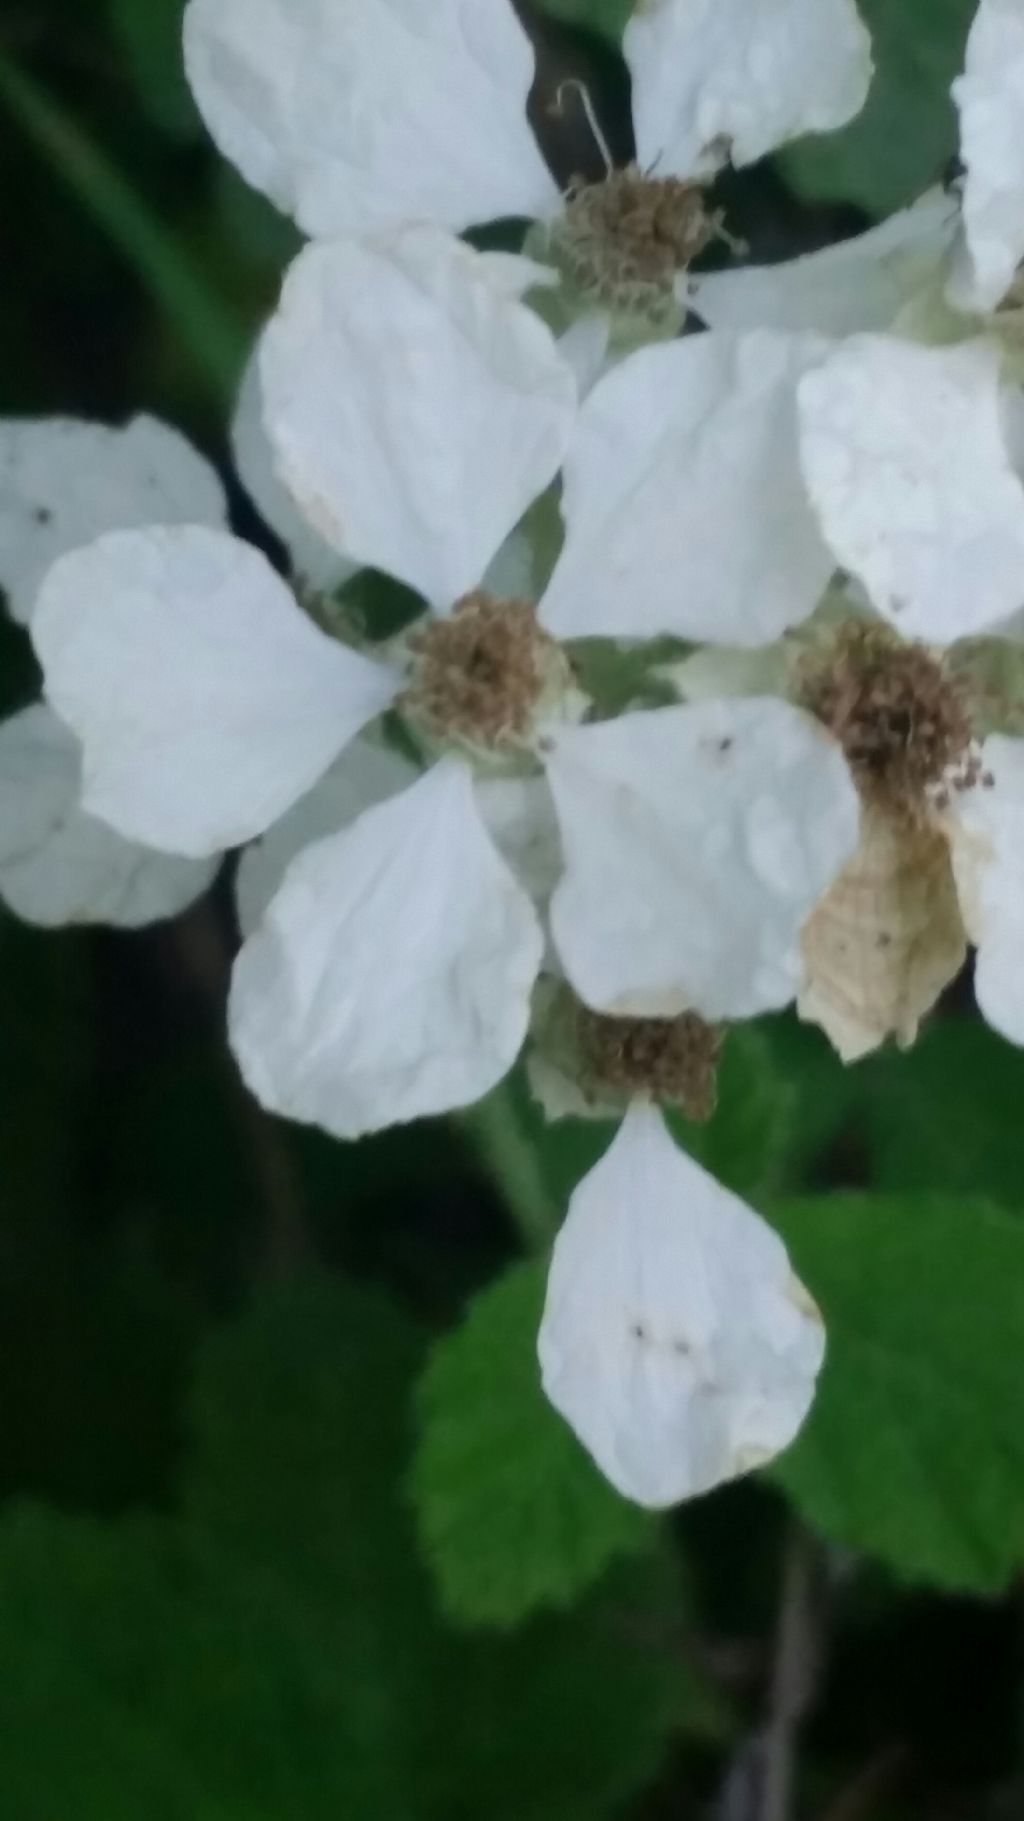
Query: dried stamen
point(674, 1060)
point(481, 674)
point(623, 241)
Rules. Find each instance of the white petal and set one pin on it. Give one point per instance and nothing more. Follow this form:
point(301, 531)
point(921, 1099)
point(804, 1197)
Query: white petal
point(858, 284)
point(312, 558)
point(416, 409)
point(206, 702)
point(697, 842)
point(990, 97)
point(358, 114)
point(521, 821)
point(684, 504)
point(364, 775)
point(676, 1340)
point(752, 73)
point(905, 456)
point(988, 860)
point(64, 482)
point(391, 975)
point(58, 865)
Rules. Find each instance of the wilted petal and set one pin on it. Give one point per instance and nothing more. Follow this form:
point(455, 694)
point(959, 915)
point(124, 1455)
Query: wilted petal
point(391, 976)
point(676, 1340)
point(990, 97)
point(987, 829)
point(697, 841)
point(858, 284)
point(416, 407)
point(747, 74)
point(906, 458)
point(357, 115)
point(684, 504)
point(206, 702)
point(364, 775)
point(312, 558)
point(64, 482)
point(59, 865)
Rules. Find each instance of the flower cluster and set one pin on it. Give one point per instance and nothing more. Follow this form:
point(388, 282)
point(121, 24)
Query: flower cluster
point(462, 840)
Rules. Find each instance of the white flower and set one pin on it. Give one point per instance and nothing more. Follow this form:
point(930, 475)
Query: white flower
point(987, 842)
point(676, 1340)
point(64, 482)
point(363, 114)
point(59, 865)
point(990, 98)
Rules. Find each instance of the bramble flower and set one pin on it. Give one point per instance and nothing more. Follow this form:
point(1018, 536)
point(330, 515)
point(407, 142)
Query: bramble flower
point(675, 1340)
point(63, 482)
point(361, 117)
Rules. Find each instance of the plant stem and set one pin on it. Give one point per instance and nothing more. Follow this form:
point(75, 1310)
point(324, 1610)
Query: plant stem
point(206, 325)
point(797, 1652)
point(497, 1131)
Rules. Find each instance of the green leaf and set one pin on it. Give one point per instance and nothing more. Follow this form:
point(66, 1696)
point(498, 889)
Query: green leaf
point(150, 34)
point(914, 1449)
point(907, 132)
point(947, 1116)
point(609, 17)
point(512, 1513)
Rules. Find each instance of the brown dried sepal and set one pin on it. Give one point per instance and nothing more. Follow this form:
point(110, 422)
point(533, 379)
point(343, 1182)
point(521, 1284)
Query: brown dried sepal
point(673, 1060)
point(623, 240)
point(481, 673)
point(901, 719)
point(886, 940)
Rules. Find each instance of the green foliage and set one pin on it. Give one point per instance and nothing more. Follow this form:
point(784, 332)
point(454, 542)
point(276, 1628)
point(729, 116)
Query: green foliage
point(914, 1449)
point(948, 1115)
point(608, 17)
point(150, 35)
point(512, 1514)
point(907, 132)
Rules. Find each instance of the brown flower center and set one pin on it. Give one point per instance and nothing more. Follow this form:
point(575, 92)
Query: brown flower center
point(622, 241)
point(480, 674)
point(902, 720)
point(674, 1060)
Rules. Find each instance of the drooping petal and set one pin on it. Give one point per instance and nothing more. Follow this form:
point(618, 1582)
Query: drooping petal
point(684, 504)
point(987, 842)
point(740, 77)
point(206, 702)
point(858, 284)
point(416, 407)
point(697, 841)
point(58, 865)
point(357, 115)
point(364, 775)
point(391, 976)
point(64, 482)
point(312, 558)
point(990, 97)
point(906, 458)
point(676, 1340)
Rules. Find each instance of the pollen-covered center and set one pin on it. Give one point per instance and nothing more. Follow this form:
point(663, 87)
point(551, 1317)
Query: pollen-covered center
point(902, 720)
point(622, 241)
point(674, 1060)
point(480, 674)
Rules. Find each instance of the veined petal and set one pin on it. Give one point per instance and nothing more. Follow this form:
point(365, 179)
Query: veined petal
point(359, 115)
point(684, 505)
point(905, 455)
point(58, 865)
point(676, 1340)
point(416, 408)
point(859, 284)
point(63, 482)
point(740, 77)
point(391, 976)
point(697, 841)
point(987, 844)
point(364, 775)
point(206, 702)
point(990, 98)
point(312, 558)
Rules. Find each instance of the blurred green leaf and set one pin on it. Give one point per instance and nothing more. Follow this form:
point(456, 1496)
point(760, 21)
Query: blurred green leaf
point(512, 1513)
point(150, 34)
point(948, 1114)
point(907, 132)
point(606, 16)
point(914, 1449)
